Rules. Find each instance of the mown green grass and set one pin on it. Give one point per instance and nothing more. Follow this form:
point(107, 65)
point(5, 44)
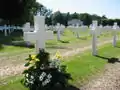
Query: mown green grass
point(68, 38)
point(12, 48)
point(82, 66)
point(85, 65)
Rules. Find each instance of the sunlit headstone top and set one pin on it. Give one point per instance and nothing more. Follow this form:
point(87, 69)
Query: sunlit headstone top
point(58, 24)
point(77, 25)
point(94, 24)
point(115, 25)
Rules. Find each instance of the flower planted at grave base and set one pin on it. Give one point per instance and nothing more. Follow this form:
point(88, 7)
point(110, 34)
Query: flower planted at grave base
point(33, 57)
point(58, 56)
point(31, 60)
point(44, 73)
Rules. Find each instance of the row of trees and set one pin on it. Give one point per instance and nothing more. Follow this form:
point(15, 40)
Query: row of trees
point(87, 19)
point(22, 11)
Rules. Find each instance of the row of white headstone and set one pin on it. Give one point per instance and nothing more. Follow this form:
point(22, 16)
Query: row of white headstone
point(7, 29)
point(95, 31)
point(58, 28)
point(40, 35)
point(77, 30)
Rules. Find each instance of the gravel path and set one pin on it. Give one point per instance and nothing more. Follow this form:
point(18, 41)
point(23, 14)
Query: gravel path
point(109, 80)
point(16, 67)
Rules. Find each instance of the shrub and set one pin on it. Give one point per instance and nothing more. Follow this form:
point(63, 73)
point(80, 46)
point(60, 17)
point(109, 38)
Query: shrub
point(43, 73)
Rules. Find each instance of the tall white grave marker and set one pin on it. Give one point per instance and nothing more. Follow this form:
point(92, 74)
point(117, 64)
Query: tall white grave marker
point(5, 30)
point(100, 29)
point(58, 31)
point(46, 27)
point(39, 35)
point(77, 30)
point(9, 31)
point(27, 28)
point(62, 27)
point(114, 34)
point(94, 37)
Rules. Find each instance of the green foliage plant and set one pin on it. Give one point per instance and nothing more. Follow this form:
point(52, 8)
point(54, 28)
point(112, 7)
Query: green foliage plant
point(43, 73)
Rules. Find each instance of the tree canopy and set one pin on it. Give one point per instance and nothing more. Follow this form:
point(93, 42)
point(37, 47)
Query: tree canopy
point(63, 18)
point(22, 11)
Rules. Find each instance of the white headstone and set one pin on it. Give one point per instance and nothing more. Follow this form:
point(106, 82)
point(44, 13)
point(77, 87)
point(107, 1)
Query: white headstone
point(27, 28)
point(46, 27)
point(77, 30)
point(39, 35)
point(58, 31)
point(94, 38)
point(99, 30)
point(9, 31)
point(5, 30)
point(62, 27)
point(114, 34)
point(90, 28)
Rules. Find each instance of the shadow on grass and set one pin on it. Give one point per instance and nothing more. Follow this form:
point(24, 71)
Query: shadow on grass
point(58, 47)
point(63, 41)
point(14, 39)
point(1, 47)
point(67, 88)
point(53, 44)
point(14, 36)
point(117, 46)
point(22, 44)
point(110, 60)
point(83, 38)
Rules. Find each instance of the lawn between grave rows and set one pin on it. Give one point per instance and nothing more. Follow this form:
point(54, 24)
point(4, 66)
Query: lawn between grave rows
point(81, 66)
point(68, 39)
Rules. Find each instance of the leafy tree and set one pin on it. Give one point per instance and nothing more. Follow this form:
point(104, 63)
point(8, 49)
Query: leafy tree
point(104, 17)
point(57, 17)
point(48, 20)
point(95, 17)
point(110, 22)
point(11, 9)
point(68, 17)
point(86, 18)
point(118, 21)
point(21, 11)
point(18, 12)
point(75, 15)
point(104, 22)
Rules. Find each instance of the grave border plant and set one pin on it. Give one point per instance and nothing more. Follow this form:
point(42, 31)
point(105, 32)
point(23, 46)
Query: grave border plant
point(43, 73)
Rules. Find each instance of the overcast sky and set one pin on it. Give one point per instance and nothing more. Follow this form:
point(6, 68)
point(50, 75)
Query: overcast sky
point(111, 8)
